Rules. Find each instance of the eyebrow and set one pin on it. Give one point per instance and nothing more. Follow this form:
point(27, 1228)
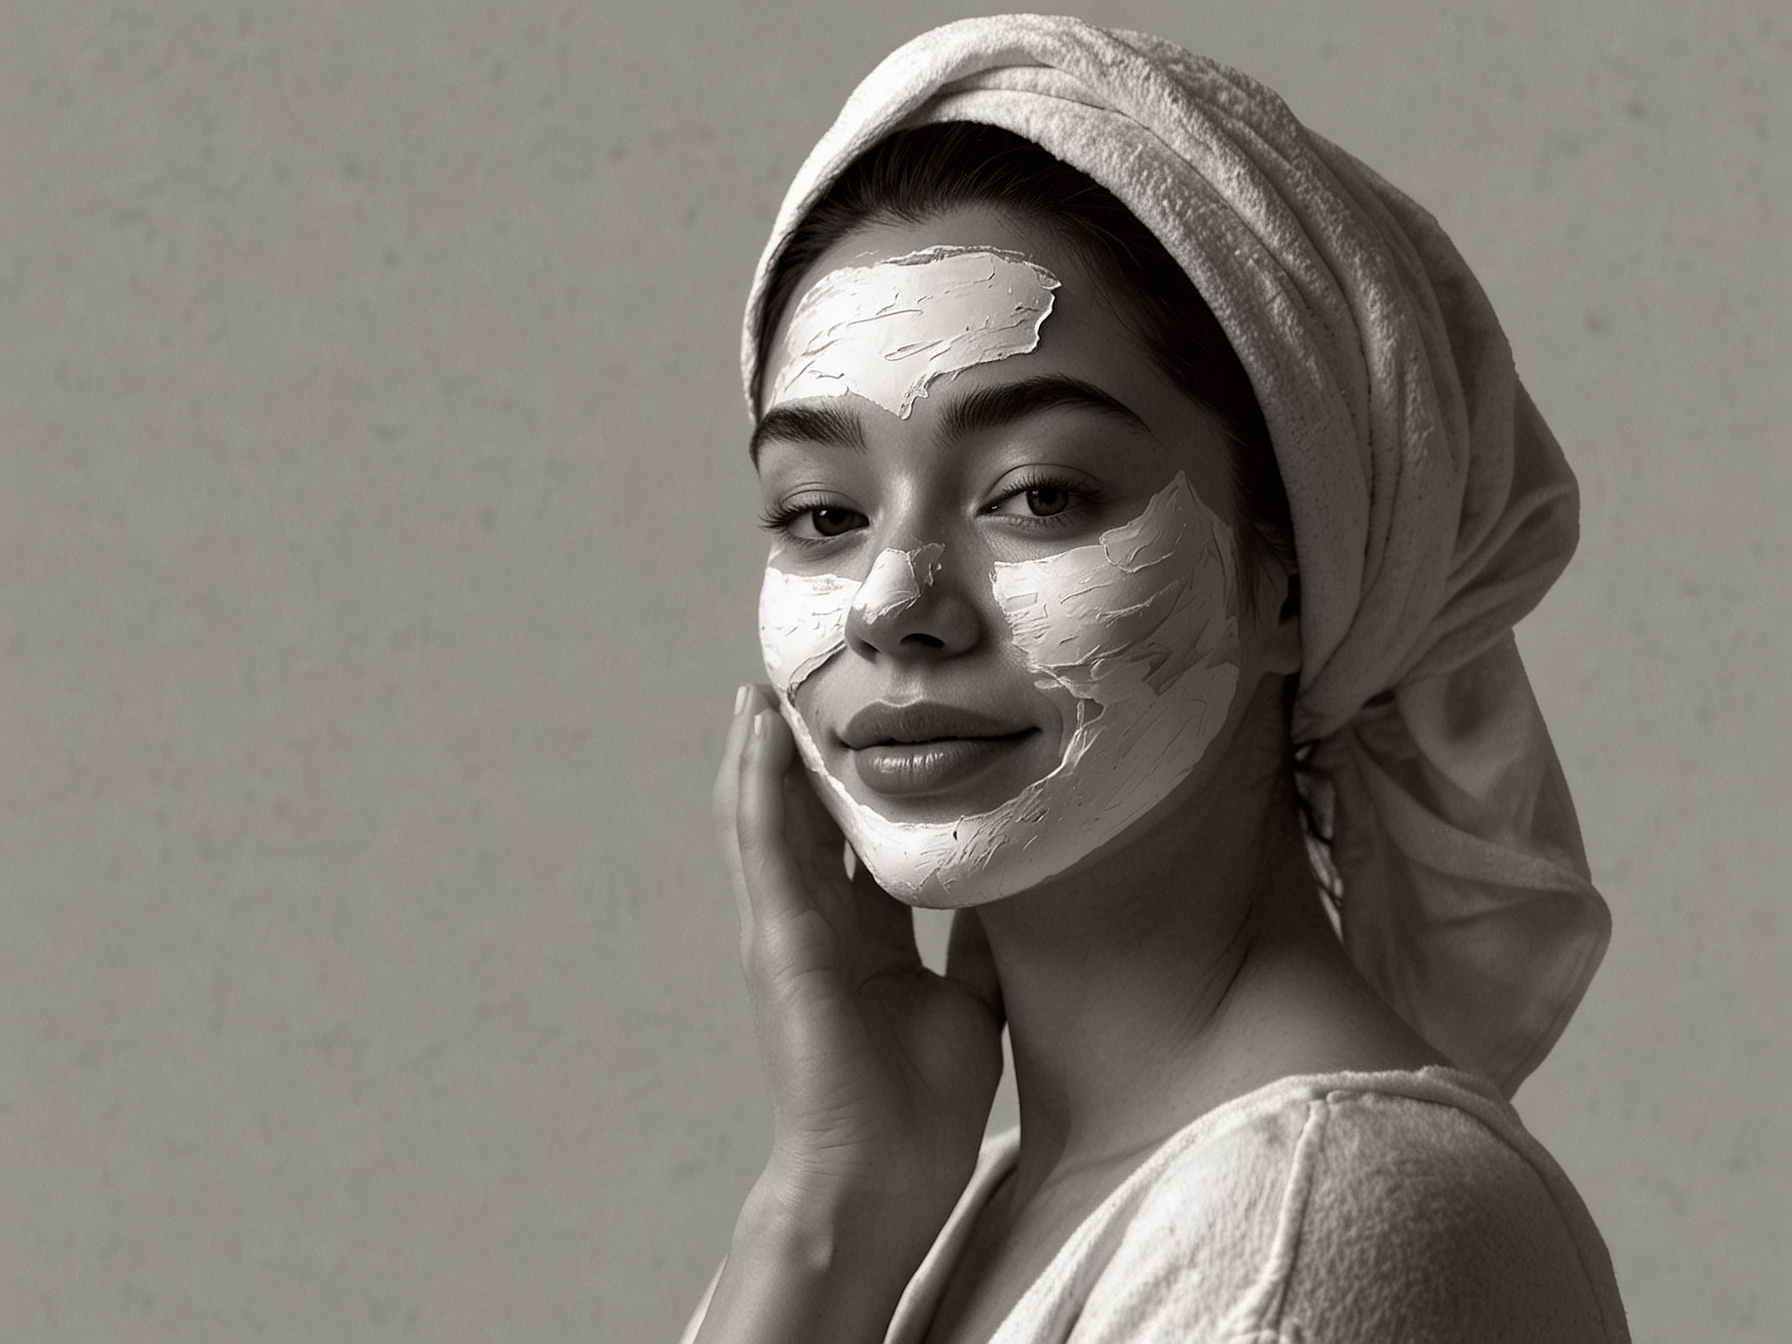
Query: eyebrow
point(993, 407)
point(830, 425)
point(976, 412)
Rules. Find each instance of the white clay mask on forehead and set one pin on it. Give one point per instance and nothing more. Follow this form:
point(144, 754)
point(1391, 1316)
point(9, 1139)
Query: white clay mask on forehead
point(887, 330)
point(1138, 628)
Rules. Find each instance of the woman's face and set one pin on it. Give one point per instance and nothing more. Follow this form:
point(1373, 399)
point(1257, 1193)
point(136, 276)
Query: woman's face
point(1001, 603)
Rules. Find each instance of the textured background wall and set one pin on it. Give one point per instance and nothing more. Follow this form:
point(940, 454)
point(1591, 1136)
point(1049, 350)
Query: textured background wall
point(377, 564)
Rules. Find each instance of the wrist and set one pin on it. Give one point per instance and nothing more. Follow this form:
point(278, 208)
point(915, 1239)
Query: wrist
point(823, 1224)
point(807, 1262)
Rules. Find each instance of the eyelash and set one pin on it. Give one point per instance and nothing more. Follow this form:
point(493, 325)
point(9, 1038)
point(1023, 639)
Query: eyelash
point(780, 520)
point(1082, 497)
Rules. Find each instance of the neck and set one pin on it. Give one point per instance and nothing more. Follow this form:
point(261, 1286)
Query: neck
point(1192, 967)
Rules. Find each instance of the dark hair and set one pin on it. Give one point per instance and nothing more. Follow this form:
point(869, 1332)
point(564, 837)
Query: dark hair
point(916, 174)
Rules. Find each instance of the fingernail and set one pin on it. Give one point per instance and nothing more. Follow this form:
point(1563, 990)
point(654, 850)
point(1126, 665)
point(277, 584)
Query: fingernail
point(740, 699)
point(849, 858)
point(761, 724)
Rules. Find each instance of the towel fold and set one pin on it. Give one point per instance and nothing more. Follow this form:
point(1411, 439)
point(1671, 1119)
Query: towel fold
point(1432, 507)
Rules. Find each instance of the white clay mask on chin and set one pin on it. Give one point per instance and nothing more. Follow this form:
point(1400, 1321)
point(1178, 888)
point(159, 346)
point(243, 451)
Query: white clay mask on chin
point(1137, 630)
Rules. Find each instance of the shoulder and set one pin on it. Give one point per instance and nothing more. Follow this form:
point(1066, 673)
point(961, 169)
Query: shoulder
point(1427, 1216)
point(1361, 1207)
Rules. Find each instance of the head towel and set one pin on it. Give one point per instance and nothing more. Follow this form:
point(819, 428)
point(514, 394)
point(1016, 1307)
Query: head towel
point(1432, 507)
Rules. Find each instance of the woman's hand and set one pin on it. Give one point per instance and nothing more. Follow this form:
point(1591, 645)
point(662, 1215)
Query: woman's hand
point(881, 1072)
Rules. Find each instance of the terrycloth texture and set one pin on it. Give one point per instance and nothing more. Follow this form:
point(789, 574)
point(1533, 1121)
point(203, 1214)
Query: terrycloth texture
point(1432, 507)
point(1368, 1208)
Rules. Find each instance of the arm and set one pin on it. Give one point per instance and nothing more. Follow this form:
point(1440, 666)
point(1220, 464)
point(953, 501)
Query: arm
point(880, 1072)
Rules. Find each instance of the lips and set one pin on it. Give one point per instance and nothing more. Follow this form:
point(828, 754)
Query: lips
point(927, 747)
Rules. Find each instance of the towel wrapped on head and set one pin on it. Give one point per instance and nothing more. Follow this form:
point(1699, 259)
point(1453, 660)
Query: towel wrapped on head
point(1432, 507)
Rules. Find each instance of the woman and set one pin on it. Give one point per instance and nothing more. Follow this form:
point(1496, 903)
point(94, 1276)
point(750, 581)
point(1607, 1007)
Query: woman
point(1152, 499)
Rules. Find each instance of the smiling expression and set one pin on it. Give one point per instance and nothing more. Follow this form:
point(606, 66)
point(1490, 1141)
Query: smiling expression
point(999, 612)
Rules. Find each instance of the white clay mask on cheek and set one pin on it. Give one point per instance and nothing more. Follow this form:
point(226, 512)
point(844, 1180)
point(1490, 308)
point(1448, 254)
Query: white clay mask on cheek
point(802, 617)
point(1138, 629)
point(887, 330)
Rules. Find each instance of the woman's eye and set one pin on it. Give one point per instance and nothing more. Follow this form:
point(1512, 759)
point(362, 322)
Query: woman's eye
point(813, 522)
point(1040, 501)
point(831, 522)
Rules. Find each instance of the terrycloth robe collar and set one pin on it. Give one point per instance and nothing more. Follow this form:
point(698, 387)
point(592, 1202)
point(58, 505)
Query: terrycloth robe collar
point(1432, 507)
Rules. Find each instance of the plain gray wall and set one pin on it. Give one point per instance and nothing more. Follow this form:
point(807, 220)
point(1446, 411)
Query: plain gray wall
point(377, 555)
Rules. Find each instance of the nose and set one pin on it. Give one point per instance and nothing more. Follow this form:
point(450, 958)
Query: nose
point(906, 607)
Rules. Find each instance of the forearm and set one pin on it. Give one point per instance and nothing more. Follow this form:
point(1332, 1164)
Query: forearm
point(803, 1267)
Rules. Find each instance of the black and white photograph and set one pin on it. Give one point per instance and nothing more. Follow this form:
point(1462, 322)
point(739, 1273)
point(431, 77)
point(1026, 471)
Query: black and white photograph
point(778, 673)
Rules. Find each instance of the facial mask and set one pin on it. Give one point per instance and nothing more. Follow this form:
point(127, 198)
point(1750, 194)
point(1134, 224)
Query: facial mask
point(896, 582)
point(802, 618)
point(1138, 628)
point(888, 330)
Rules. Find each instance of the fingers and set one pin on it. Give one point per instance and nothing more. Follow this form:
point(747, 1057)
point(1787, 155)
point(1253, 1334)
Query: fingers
point(970, 963)
point(781, 928)
point(759, 808)
point(726, 799)
point(750, 702)
point(782, 851)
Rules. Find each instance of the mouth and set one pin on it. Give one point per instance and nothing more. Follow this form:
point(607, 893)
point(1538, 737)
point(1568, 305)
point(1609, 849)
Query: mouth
point(924, 747)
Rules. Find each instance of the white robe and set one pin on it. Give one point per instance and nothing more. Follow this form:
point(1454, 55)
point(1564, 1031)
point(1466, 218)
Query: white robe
point(1351, 1208)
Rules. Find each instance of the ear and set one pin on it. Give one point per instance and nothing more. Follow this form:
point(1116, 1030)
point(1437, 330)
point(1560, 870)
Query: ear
point(1281, 638)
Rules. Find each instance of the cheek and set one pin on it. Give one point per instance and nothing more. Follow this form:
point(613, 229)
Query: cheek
point(802, 623)
point(802, 617)
point(1131, 614)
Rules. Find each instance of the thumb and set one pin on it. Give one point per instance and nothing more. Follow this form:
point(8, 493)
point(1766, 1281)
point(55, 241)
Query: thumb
point(970, 963)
